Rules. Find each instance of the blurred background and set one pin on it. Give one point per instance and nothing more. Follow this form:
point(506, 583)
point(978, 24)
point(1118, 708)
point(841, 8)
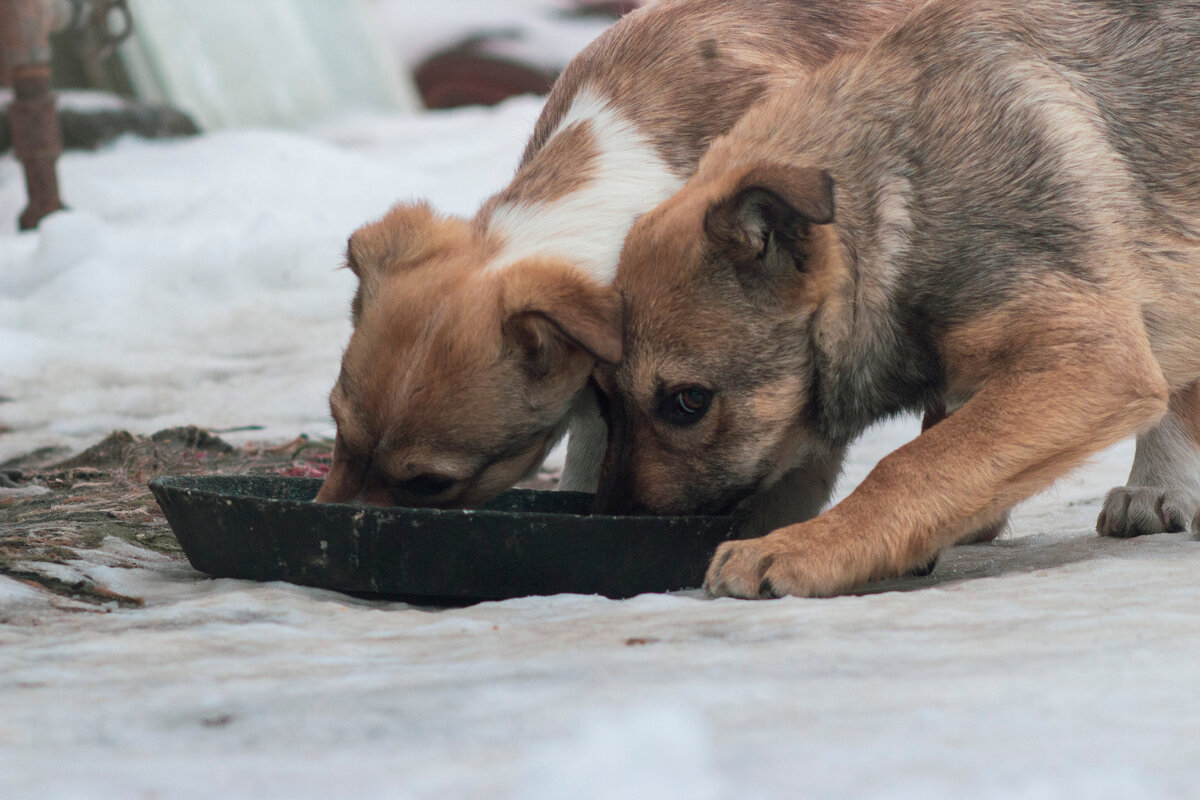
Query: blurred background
point(222, 63)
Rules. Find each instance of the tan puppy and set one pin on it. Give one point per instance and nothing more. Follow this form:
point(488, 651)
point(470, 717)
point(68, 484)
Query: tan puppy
point(994, 208)
point(474, 339)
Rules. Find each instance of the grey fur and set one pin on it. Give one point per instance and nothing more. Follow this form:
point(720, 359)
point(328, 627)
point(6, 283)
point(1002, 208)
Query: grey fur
point(995, 206)
point(1163, 491)
point(985, 156)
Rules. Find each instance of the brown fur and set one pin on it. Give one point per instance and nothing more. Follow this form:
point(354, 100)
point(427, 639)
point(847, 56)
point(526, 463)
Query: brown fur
point(1001, 231)
point(985, 531)
point(566, 164)
point(461, 373)
point(399, 421)
point(1186, 404)
point(684, 71)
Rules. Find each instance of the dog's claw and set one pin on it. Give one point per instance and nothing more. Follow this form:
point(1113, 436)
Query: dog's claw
point(766, 590)
point(921, 572)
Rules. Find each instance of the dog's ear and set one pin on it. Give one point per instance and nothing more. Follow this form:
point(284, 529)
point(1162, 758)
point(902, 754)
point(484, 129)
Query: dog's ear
point(403, 237)
point(550, 311)
point(762, 220)
point(409, 235)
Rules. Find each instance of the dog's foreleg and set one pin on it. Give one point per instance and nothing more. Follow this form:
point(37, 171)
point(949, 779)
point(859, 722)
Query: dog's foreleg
point(1030, 421)
point(988, 530)
point(588, 438)
point(1163, 491)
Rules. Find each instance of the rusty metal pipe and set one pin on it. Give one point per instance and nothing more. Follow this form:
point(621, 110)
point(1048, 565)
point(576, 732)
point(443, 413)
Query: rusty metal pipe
point(26, 26)
point(36, 140)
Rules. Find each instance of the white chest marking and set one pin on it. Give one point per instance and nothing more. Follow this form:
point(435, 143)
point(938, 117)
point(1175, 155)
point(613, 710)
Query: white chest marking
point(587, 227)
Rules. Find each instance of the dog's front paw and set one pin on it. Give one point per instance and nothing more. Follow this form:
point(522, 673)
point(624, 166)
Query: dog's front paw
point(772, 566)
point(1138, 511)
point(739, 569)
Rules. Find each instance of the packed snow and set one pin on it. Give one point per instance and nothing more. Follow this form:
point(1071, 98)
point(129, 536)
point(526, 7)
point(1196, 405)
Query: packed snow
point(196, 281)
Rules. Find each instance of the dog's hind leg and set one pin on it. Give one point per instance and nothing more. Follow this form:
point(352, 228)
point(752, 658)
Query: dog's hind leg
point(1163, 491)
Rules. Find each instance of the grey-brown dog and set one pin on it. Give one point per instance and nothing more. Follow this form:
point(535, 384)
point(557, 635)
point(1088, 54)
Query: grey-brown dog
point(996, 208)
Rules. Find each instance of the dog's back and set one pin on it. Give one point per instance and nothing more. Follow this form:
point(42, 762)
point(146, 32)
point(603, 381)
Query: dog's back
point(684, 71)
point(1144, 73)
point(1095, 173)
point(988, 93)
point(1137, 63)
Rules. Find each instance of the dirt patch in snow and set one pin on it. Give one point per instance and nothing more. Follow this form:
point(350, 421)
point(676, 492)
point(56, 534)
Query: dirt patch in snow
point(52, 509)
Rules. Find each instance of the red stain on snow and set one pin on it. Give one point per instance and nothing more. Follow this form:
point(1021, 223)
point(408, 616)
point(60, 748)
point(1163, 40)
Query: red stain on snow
point(306, 470)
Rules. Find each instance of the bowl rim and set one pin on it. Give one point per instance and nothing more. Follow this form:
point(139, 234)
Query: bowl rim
point(180, 483)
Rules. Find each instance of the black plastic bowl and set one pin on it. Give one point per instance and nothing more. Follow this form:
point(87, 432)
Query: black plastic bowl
point(523, 543)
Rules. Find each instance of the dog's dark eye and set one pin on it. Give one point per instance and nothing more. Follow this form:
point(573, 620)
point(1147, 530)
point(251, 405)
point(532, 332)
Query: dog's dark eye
point(427, 485)
point(687, 406)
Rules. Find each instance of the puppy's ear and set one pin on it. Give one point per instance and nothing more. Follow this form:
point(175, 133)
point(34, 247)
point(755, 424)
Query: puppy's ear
point(551, 311)
point(762, 220)
point(409, 235)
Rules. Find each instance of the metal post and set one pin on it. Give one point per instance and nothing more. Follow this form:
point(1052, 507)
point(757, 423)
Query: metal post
point(26, 26)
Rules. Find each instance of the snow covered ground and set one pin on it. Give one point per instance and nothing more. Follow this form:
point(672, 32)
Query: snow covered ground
point(1051, 664)
point(195, 282)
